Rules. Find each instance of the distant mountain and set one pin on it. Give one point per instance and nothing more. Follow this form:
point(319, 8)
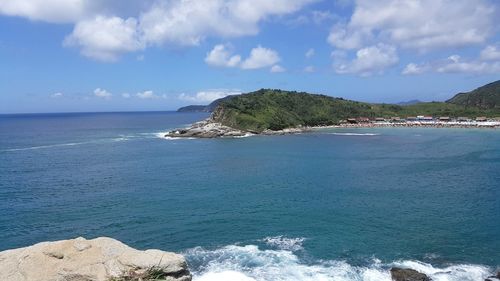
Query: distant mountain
point(193, 108)
point(203, 108)
point(485, 97)
point(410, 102)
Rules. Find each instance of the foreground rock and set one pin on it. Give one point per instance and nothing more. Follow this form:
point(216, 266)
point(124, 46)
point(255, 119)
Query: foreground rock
point(211, 129)
point(401, 274)
point(206, 129)
point(494, 278)
point(100, 259)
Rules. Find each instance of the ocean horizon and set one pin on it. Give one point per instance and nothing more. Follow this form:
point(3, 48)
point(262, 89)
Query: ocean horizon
point(332, 204)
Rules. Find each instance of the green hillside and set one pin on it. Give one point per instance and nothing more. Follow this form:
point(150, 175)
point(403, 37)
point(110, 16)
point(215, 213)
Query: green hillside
point(485, 97)
point(277, 109)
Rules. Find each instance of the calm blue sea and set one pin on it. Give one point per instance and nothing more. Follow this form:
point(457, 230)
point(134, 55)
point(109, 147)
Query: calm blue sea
point(336, 204)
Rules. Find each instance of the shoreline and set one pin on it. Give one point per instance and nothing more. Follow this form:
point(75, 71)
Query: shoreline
point(209, 129)
point(460, 125)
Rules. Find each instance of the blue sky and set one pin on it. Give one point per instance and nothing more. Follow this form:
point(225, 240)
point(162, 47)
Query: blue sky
point(126, 55)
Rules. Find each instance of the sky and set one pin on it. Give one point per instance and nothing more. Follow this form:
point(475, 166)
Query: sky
point(140, 55)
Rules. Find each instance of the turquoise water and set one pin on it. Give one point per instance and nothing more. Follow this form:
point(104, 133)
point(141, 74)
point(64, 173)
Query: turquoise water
point(336, 204)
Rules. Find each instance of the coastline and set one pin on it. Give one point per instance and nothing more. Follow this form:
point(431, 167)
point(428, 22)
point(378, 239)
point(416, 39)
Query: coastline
point(210, 129)
point(459, 125)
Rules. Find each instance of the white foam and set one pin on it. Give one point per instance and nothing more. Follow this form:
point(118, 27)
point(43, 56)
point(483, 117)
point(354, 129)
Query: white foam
point(284, 243)
point(45, 146)
point(249, 263)
point(105, 140)
point(225, 276)
point(178, 138)
point(355, 134)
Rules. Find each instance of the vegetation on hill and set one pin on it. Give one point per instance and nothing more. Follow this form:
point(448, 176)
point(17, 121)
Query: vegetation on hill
point(277, 109)
point(193, 108)
point(485, 97)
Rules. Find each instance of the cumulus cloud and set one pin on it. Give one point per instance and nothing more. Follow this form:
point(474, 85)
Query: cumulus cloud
point(418, 24)
point(208, 96)
point(277, 69)
point(55, 11)
point(126, 95)
point(414, 69)
point(101, 93)
point(260, 57)
point(105, 38)
point(491, 52)
point(147, 95)
point(455, 64)
point(103, 32)
point(221, 56)
point(370, 60)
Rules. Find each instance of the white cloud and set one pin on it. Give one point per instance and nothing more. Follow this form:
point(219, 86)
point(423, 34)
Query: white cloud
point(208, 96)
point(102, 31)
point(56, 95)
point(491, 52)
point(105, 38)
point(455, 64)
point(414, 69)
point(260, 57)
point(319, 17)
point(55, 11)
point(310, 53)
point(147, 95)
point(418, 24)
point(126, 95)
point(309, 69)
point(277, 69)
point(188, 22)
point(370, 60)
point(101, 93)
point(221, 56)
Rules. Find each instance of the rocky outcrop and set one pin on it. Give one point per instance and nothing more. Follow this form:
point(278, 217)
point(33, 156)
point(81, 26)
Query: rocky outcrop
point(494, 278)
point(211, 129)
point(100, 259)
point(402, 274)
point(206, 129)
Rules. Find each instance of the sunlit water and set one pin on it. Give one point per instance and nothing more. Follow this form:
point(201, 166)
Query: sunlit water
point(336, 204)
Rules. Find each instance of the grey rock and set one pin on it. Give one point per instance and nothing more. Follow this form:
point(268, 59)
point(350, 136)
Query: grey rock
point(401, 274)
point(87, 260)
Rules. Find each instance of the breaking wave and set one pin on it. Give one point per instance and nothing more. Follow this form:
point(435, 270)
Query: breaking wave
point(355, 134)
point(281, 263)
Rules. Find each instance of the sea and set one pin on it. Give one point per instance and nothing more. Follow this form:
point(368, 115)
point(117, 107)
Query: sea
point(332, 204)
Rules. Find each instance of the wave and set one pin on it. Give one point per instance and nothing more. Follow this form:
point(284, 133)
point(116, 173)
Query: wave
point(283, 243)
point(355, 134)
point(44, 146)
point(250, 263)
point(110, 140)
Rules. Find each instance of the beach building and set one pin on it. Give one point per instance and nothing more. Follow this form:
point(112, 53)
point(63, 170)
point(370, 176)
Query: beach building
point(444, 119)
point(425, 118)
point(481, 119)
point(379, 119)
